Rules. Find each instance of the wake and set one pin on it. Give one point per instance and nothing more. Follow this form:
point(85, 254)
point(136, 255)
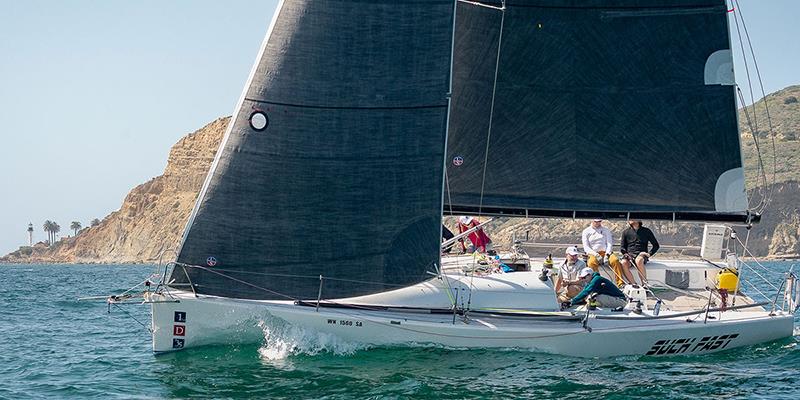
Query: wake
point(282, 340)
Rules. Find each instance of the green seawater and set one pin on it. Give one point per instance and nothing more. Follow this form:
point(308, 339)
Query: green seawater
point(53, 346)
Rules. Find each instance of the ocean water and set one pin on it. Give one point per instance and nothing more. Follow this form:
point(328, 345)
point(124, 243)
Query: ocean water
point(54, 346)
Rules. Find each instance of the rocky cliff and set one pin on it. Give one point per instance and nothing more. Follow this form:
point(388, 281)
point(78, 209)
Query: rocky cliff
point(150, 221)
point(152, 217)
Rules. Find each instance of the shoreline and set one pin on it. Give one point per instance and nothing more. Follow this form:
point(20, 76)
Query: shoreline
point(787, 258)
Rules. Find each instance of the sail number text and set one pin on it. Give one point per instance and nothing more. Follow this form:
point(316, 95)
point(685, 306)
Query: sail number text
point(345, 322)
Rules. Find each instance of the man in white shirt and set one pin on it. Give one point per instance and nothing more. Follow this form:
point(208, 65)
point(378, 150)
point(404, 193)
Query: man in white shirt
point(597, 243)
point(568, 284)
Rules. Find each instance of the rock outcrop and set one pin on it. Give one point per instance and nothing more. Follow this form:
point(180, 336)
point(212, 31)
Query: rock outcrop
point(152, 217)
point(785, 243)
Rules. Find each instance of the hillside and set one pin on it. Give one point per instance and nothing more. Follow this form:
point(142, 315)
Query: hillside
point(784, 110)
point(152, 217)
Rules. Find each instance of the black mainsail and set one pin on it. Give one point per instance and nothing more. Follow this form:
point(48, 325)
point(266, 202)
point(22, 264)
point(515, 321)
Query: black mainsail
point(594, 108)
point(332, 164)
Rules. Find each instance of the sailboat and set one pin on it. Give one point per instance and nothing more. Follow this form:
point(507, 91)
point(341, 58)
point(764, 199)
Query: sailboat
point(362, 124)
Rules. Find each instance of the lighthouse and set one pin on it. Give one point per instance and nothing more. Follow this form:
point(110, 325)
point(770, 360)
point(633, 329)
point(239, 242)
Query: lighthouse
point(30, 234)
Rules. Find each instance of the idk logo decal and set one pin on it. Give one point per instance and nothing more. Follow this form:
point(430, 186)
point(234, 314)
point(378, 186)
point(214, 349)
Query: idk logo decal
point(179, 330)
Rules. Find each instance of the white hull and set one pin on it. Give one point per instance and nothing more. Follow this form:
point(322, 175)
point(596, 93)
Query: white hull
point(211, 320)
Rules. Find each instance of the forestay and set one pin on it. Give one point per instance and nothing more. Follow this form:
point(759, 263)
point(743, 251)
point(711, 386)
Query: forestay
point(332, 164)
point(597, 107)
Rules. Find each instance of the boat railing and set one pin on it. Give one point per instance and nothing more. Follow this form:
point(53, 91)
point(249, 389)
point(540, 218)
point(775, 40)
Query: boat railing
point(616, 246)
point(757, 276)
point(161, 265)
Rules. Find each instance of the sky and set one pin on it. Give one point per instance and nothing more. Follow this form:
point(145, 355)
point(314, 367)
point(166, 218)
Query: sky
point(94, 93)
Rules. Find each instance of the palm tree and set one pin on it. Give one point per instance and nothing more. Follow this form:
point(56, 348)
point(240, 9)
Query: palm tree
point(56, 229)
point(48, 227)
point(95, 222)
point(75, 226)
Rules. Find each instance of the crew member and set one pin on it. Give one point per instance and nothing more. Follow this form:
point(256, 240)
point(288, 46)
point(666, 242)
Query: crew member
point(568, 283)
point(597, 243)
point(606, 294)
point(480, 241)
point(634, 247)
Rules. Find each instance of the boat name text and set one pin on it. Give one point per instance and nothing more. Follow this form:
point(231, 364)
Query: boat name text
point(690, 345)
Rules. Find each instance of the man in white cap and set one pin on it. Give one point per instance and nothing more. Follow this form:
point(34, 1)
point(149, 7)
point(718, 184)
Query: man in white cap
point(606, 294)
point(597, 243)
point(568, 283)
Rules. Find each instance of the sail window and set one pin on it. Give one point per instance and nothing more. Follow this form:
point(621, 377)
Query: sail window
point(259, 121)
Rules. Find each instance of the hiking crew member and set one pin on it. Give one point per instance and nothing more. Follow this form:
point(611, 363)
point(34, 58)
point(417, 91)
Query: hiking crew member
point(635, 241)
point(607, 295)
point(597, 242)
point(568, 283)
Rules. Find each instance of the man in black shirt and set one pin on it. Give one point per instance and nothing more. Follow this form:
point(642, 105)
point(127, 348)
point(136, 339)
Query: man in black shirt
point(634, 245)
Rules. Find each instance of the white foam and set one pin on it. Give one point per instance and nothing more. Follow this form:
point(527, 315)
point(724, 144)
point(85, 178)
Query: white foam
point(282, 340)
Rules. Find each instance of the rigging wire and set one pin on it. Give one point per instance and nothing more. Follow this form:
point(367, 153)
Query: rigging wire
point(447, 283)
point(447, 184)
point(244, 282)
point(752, 123)
point(149, 329)
point(315, 277)
point(761, 177)
point(491, 110)
point(489, 131)
point(766, 105)
point(746, 65)
point(753, 269)
point(768, 188)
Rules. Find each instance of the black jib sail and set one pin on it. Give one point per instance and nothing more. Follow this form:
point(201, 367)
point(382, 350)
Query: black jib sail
point(594, 108)
point(332, 165)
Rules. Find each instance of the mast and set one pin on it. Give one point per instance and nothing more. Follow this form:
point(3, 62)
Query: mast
point(447, 127)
